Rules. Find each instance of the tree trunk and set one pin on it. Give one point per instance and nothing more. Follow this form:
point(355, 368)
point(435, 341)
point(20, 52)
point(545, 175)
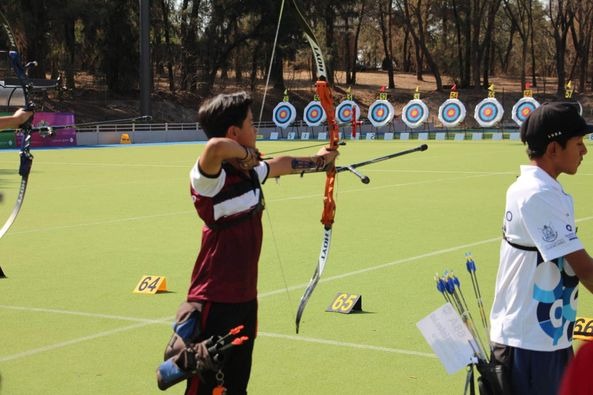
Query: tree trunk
point(168, 51)
point(329, 41)
point(385, 33)
point(357, 37)
point(189, 26)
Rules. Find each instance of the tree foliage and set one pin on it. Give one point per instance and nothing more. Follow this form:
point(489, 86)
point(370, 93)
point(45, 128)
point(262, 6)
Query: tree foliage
point(196, 44)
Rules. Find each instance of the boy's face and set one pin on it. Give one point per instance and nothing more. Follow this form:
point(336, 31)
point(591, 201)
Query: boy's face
point(247, 133)
point(569, 159)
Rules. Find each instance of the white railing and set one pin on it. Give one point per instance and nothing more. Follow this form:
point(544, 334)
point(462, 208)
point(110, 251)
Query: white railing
point(147, 127)
point(133, 127)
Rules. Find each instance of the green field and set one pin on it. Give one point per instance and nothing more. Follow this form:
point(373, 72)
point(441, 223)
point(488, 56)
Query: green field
point(96, 220)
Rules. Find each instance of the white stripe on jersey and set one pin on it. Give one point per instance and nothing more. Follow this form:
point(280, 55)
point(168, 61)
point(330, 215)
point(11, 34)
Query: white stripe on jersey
point(236, 205)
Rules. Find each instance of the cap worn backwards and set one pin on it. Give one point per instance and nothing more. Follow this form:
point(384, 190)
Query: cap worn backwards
point(553, 122)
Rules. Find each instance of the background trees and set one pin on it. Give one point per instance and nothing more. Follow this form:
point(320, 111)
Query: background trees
point(198, 43)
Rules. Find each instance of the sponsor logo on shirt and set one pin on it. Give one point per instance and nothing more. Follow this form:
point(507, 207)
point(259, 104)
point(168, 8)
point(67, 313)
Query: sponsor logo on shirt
point(549, 235)
point(570, 235)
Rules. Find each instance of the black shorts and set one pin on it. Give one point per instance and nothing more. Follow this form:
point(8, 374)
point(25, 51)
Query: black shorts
point(217, 320)
point(533, 372)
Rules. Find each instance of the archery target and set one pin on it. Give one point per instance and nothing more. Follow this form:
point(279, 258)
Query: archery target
point(284, 114)
point(381, 112)
point(414, 113)
point(488, 112)
point(314, 114)
point(344, 112)
point(451, 113)
point(523, 108)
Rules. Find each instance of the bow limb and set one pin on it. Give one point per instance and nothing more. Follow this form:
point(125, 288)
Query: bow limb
point(26, 159)
point(329, 205)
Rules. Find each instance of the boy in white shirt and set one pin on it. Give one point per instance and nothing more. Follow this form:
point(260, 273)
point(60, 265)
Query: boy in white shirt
point(541, 258)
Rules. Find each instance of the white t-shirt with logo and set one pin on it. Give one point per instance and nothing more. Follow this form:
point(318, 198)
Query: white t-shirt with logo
point(535, 298)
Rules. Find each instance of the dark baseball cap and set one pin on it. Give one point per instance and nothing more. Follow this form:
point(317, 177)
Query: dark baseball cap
point(553, 121)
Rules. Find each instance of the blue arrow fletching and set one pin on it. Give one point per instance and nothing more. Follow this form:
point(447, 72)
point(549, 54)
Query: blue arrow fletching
point(469, 262)
point(471, 265)
point(441, 286)
point(450, 285)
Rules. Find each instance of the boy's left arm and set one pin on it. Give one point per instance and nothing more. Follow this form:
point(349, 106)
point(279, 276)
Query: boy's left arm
point(284, 165)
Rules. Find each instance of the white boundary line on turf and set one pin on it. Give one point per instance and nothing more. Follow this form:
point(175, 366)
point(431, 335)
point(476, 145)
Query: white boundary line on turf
point(387, 186)
point(166, 321)
point(346, 344)
point(55, 346)
point(383, 265)
point(189, 211)
point(86, 314)
point(145, 322)
point(106, 222)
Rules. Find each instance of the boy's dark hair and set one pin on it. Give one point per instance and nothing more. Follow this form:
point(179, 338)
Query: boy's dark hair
point(222, 111)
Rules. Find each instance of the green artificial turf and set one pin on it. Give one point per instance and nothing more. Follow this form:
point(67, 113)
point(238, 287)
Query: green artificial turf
point(96, 220)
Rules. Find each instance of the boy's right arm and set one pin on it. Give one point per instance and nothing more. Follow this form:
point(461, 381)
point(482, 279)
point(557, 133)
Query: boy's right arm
point(582, 264)
point(15, 120)
point(220, 149)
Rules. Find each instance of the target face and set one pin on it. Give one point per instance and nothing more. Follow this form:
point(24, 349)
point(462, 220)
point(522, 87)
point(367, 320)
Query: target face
point(344, 112)
point(284, 114)
point(414, 113)
point(314, 114)
point(523, 108)
point(451, 113)
point(381, 112)
point(488, 112)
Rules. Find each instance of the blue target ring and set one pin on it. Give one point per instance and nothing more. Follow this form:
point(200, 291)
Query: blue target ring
point(314, 114)
point(523, 108)
point(488, 112)
point(414, 113)
point(452, 113)
point(345, 110)
point(381, 112)
point(284, 114)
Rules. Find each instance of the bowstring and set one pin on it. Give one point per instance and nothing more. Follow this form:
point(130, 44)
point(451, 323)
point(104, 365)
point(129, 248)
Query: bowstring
point(261, 112)
point(263, 102)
